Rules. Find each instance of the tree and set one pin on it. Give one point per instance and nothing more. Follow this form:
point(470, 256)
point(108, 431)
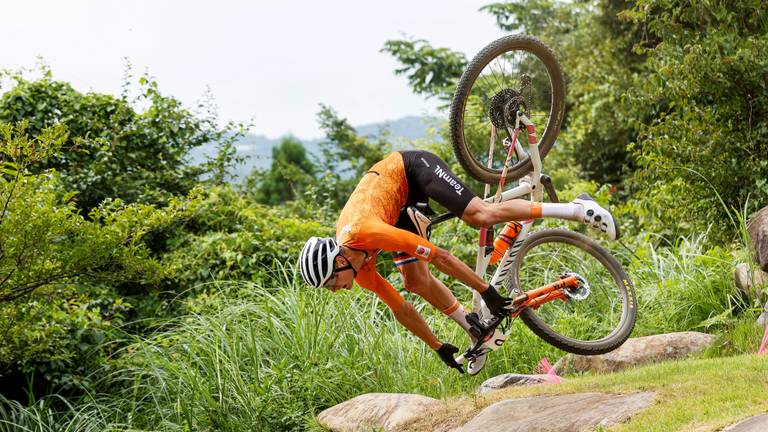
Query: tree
point(44, 240)
point(56, 266)
point(430, 71)
point(113, 149)
point(345, 155)
point(704, 152)
point(288, 176)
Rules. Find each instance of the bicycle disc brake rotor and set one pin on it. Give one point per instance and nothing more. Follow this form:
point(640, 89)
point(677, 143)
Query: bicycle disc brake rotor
point(580, 293)
point(504, 107)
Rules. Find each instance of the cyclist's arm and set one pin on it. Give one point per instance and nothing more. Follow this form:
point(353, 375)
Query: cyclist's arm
point(403, 311)
point(454, 267)
point(410, 318)
point(378, 235)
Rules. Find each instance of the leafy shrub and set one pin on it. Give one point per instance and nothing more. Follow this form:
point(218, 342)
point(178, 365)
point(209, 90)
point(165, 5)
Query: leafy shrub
point(53, 263)
point(228, 237)
point(704, 152)
point(114, 150)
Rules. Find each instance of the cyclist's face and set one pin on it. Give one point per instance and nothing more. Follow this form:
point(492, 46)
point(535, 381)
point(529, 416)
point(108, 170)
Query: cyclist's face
point(341, 279)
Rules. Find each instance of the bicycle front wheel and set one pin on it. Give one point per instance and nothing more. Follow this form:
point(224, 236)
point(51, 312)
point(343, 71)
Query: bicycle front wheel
point(594, 319)
point(514, 73)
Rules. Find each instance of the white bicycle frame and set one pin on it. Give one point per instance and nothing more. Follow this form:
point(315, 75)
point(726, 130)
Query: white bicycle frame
point(532, 188)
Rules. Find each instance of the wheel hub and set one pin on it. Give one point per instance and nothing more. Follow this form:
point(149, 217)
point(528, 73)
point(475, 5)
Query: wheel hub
point(580, 293)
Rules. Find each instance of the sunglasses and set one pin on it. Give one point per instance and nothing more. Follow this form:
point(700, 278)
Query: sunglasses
point(332, 281)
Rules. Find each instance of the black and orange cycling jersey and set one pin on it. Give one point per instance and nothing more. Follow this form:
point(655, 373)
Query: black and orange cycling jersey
point(367, 221)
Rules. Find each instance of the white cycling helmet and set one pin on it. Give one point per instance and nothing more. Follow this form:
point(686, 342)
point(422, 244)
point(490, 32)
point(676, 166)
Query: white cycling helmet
point(316, 260)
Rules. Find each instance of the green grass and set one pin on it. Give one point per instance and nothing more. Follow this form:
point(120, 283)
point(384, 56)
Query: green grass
point(269, 357)
point(691, 395)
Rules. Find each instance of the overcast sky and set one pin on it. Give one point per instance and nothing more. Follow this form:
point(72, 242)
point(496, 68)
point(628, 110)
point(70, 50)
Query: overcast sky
point(270, 61)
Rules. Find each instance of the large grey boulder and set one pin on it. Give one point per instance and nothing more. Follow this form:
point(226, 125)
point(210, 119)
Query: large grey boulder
point(510, 380)
point(753, 424)
point(758, 232)
point(566, 413)
point(375, 411)
point(638, 351)
point(752, 282)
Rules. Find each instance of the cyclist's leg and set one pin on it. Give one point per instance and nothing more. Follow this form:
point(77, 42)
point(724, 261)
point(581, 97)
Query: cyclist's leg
point(418, 280)
point(583, 209)
point(431, 177)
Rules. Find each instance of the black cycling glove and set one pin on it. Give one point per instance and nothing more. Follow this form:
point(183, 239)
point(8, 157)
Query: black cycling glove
point(446, 352)
point(497, 304)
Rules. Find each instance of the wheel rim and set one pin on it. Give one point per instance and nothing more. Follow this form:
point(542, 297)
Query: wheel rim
point(598, 317)
point(516, 72)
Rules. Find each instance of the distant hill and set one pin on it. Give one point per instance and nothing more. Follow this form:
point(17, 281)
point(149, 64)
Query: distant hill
point(258, 148)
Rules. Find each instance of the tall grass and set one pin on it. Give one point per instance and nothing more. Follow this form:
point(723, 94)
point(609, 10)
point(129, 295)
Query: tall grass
point(270, 356)
point(52, 414)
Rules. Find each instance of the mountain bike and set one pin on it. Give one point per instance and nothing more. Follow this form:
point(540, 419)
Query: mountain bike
point(567, 288)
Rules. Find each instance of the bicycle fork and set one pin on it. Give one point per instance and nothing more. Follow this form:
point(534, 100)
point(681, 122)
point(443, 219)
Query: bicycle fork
point(490, 338)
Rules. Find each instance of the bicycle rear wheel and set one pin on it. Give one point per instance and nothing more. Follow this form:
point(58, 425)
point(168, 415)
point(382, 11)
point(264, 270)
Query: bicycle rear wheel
point(510, 74)
point(592, 321)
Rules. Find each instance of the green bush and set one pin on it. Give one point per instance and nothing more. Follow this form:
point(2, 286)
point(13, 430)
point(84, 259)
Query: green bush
point(56, 267)
point(114, 150)
point(704, 152)
point(227, 237)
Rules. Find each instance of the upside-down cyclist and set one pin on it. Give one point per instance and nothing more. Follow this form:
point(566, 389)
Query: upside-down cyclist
point(376, 218)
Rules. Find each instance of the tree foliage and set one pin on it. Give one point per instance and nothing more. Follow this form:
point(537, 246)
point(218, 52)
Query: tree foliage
point(114, 150)
point(430, 71)
point(56, 266)
point(345, 157)
point(705, 151)
point(289, 175)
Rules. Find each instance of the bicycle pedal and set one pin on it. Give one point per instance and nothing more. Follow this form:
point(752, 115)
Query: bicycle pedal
point(476, 328)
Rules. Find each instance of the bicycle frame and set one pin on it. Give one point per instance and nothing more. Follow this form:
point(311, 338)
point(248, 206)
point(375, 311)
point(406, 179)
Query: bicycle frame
point(532, 187)
point(528, 186)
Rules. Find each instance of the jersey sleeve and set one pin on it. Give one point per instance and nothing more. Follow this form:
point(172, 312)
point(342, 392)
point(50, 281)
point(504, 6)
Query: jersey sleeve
point(375, 234)
point(371, 280)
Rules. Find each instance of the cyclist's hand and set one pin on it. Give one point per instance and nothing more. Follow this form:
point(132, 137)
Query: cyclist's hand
point(446, 352)
point(498, 305)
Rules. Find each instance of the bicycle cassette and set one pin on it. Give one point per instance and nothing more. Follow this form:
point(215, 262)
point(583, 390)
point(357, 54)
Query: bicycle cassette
point(504, 107)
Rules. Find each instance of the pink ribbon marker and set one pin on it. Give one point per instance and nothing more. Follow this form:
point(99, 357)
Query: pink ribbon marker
point(764, 344)
point(546, 372)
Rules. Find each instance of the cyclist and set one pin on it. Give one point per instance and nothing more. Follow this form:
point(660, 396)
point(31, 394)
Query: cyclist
point(376, 218)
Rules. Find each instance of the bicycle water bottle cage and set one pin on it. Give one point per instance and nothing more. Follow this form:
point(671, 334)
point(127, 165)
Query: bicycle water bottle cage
point(422, 223)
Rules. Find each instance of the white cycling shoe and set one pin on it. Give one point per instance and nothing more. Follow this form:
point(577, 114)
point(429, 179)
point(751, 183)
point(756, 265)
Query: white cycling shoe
point(597, 217)
point(492, 343)
point(475, 366)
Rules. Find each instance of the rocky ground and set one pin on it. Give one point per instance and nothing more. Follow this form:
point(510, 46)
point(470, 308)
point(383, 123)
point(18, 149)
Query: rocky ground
point(584, 411)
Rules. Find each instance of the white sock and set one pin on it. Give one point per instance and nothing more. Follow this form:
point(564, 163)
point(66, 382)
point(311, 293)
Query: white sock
point(568, 211)
point(460, 317)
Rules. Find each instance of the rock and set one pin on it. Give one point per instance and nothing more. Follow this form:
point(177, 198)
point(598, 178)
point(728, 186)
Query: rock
point(758, 232)
point(762, 320)
point(638, 351)
point(753, 283)
point(508, 380)
point(375, 410)
point(574, 412)
point(755, 424)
